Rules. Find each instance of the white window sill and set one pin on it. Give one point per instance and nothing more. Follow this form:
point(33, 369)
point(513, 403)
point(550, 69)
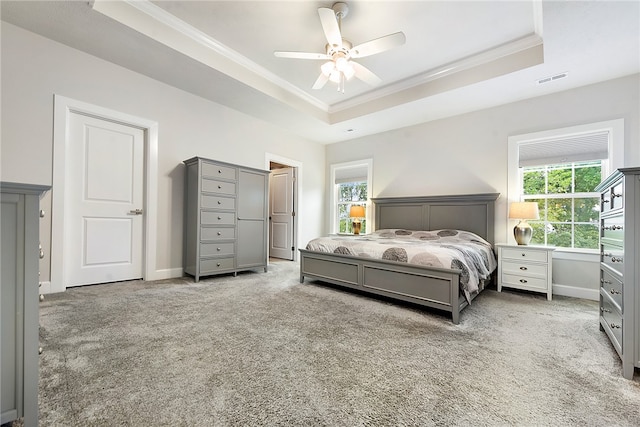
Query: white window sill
point(577, 254)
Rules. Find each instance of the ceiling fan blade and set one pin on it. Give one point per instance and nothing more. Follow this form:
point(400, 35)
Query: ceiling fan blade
point(301, 55)
point(322, 80)
point(330, 26)
point(365, 74)
point(378, 45)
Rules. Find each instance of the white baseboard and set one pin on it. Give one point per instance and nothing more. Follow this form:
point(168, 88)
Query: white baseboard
point(168, 273)
point(575, 292)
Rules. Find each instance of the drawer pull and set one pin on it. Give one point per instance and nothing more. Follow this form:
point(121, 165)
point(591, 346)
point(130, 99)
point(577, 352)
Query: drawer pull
point(613, 258)
point(218, 264)
point(41, 254)
point(523, 268)
point(219, 233)
point(605, 310)
point(219, 187)
point(613, 227)
point(605, 282)
point(524, 254)
point(219, 170)
point(523, 281)
point(614, 326)
point(219, 218)
point(614, 291)
point(218, 249)
point(219, 202)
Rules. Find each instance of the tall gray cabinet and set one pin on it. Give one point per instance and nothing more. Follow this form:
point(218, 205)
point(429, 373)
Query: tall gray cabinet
point(226, 218)
point(19, 259)
point(620, 264)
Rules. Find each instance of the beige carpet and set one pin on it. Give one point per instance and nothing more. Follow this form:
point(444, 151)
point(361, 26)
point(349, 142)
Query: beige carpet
point(263, 349)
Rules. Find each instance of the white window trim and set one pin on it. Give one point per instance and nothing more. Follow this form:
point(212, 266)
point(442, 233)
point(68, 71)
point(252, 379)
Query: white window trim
point(334, 192)
point(616, 157)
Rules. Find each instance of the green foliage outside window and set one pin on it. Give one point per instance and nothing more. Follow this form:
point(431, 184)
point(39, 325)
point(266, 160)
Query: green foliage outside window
point(569, 207)
point(350, 193)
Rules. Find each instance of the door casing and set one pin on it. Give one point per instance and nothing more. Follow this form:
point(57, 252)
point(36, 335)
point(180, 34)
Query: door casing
point(63, 107)
point(296, 197)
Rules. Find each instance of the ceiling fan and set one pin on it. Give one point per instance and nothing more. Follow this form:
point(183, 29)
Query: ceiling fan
point(340, 52)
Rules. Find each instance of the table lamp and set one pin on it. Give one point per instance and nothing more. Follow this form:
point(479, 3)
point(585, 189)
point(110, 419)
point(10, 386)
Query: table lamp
point(356, 213)
point(523, 211)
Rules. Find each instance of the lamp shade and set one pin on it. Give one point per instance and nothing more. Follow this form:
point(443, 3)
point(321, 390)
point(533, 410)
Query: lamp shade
point(524, 210)
point(356, 211)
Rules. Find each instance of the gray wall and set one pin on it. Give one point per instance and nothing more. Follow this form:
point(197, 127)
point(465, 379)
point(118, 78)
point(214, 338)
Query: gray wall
point(468, 154)
point(35, 68)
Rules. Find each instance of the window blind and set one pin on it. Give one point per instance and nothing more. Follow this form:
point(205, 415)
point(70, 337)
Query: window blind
point(578, 148)
point(351, 174)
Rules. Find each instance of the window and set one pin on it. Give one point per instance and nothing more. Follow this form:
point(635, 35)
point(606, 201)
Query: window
point(350, 183)
point(559, 169)
point(350, 193)
point(569, 207)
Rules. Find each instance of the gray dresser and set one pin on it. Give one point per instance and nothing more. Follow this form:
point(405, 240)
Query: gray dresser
point(19, 265)
point(620, 264)
point(226, 218)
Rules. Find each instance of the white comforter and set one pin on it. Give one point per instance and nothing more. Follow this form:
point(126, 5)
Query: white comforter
point(450, 249)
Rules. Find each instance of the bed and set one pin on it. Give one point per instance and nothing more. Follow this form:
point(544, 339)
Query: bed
point(434, 287)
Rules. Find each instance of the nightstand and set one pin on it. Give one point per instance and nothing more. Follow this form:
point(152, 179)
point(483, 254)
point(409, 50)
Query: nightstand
point(525, 267)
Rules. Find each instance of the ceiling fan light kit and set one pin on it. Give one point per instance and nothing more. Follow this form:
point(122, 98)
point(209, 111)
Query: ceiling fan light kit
point(339, 51)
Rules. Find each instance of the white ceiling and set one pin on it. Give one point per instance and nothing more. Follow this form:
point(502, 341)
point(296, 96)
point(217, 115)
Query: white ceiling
point(458, 57)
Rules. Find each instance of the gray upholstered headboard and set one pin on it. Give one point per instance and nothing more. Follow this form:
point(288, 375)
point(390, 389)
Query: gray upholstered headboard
point(470, 212)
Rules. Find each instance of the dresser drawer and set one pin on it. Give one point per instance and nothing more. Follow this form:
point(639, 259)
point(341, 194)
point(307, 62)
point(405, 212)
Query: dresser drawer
point(214, 249)
point(217, 233)
point(524, 282)
point(523, 269)
point(611, 321)
point(218, 202)
point(220, 187)
point(210, 266)
point(612, 231)
point(217, 171)
point(524, 254)
point(613, 257)
point(613, 197)
point(217, 218)
point(612, 286)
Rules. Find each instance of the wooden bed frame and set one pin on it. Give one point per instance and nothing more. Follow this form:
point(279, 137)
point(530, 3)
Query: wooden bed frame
point(427, 286)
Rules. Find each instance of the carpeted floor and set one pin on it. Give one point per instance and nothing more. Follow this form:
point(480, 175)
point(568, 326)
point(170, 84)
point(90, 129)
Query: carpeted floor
point(263, 349)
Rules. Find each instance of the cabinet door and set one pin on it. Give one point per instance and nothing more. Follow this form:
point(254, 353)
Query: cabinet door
point(252, 219)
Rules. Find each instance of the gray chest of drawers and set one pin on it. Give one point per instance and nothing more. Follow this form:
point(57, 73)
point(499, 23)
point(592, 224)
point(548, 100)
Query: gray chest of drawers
point(620, 264)
point(19, 262)
point(226, 218)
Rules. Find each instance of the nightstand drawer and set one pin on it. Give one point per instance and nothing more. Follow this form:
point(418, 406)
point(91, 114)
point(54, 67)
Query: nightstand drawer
point(524, 254)
point(524, 282)
point(523, 269)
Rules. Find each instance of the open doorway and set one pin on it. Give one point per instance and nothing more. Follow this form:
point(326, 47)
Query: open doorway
point(283, 201)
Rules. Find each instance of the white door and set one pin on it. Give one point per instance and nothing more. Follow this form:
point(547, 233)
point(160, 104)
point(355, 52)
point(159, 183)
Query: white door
point(104, 197)
point(281, 186)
